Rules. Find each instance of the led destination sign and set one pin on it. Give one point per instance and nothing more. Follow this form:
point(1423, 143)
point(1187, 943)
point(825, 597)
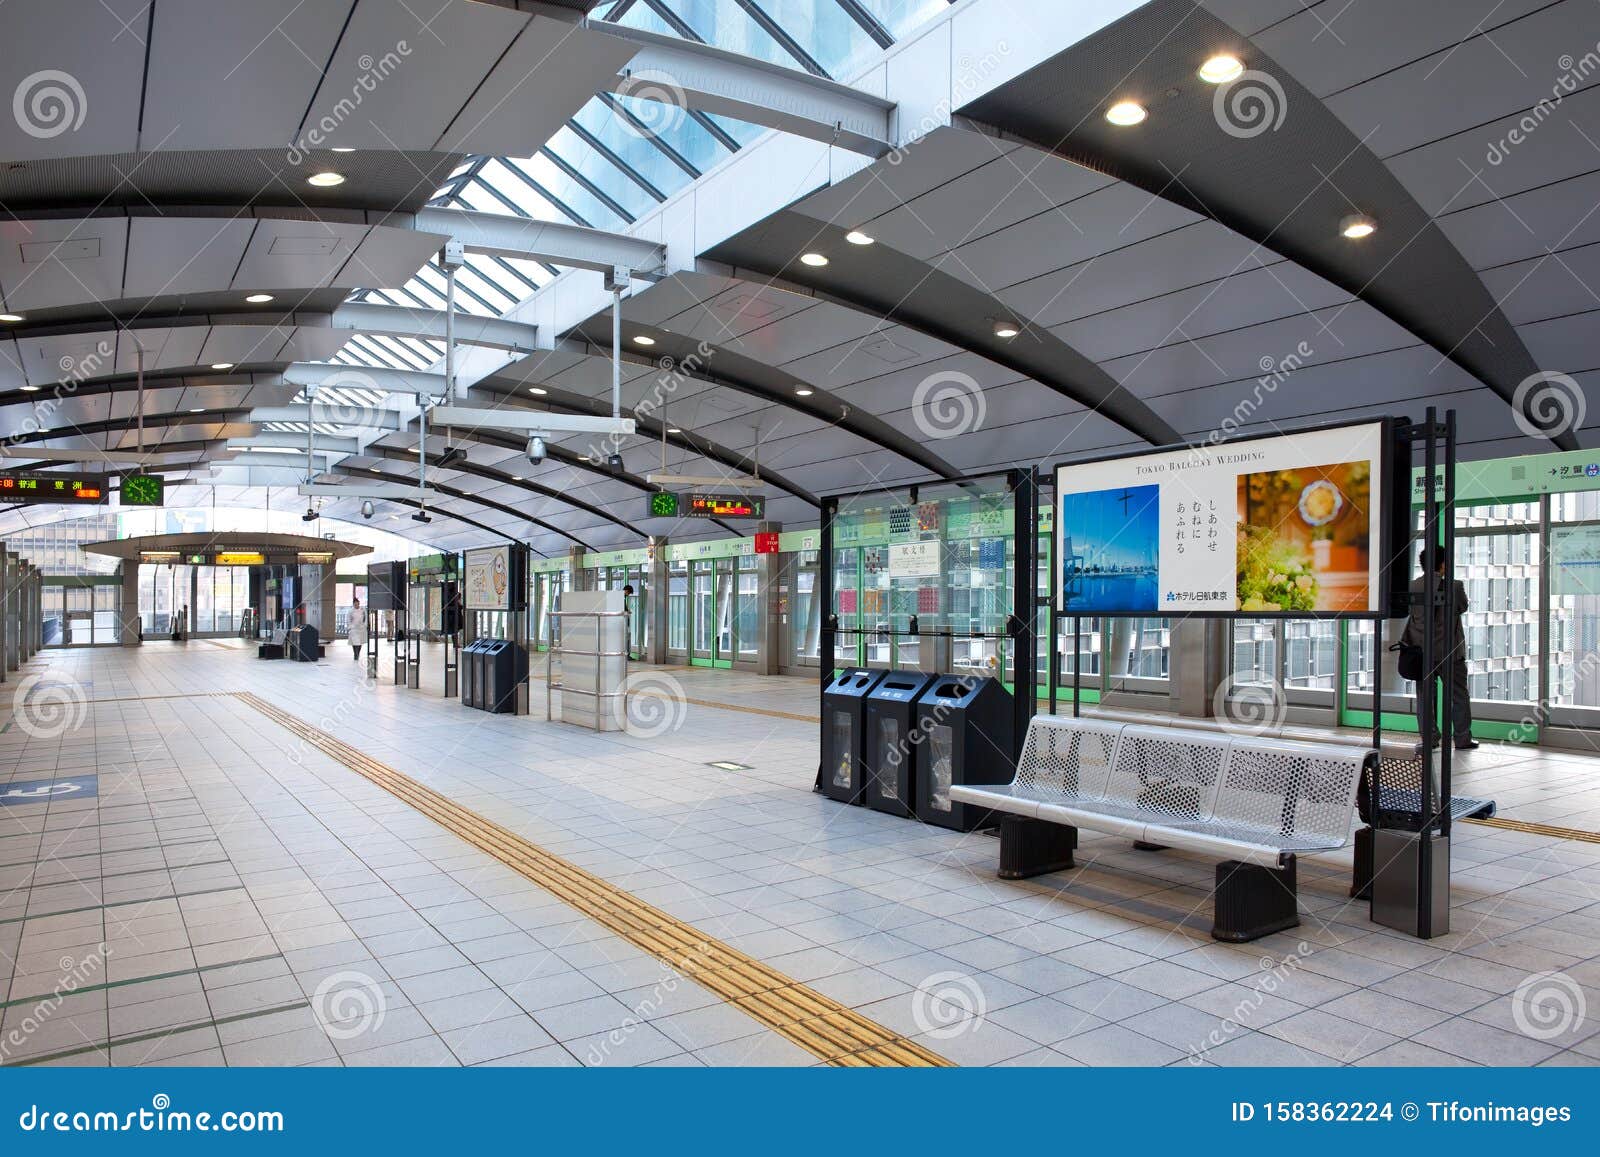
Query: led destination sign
point(724, 506)
point(27, 487)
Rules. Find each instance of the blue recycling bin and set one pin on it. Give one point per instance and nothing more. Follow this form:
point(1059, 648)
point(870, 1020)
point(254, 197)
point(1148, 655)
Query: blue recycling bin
point(965, 722)
point(892, 739)
point(844, 729)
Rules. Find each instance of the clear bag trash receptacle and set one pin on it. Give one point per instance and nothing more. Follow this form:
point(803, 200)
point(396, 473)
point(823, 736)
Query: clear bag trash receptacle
point(892, 740)
point(844, 728)
point(966, 726)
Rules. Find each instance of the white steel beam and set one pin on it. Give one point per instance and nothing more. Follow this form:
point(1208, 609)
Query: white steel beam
point(529, 421)
point(502, 235)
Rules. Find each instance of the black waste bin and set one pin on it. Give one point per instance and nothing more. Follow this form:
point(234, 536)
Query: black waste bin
point(302, 646)
point(844, 729)
point(471, 662)
point(505, 664)
point(892, 740)
point(965, 722)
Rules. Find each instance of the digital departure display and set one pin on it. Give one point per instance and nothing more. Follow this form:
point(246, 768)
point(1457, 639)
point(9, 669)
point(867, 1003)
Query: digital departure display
point(725, 506)
point(28, 487)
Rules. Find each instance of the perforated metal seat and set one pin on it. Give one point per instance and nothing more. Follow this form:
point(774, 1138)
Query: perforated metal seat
point(1255, 798)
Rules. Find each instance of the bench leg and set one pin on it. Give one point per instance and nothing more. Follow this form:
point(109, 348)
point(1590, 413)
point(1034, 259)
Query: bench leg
point(1253, 901)
point(1361, 870)
point(1034, 847)
point(1147, 846)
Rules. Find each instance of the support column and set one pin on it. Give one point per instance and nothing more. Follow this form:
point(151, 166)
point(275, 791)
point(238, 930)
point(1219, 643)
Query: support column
point(13, 611)
point(769, 584)
point(656, 592)
point(8, 561)
point(582, 576)
point(1199, 664)
point(327, 603)
point(128, 611)
point(30, 584)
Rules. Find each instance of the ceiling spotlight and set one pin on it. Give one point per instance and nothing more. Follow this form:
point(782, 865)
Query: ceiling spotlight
point(803, 391)
point(197, 409)
point(1126, 112)
point(1222, 68)
point(222, 365)
point(1355, 226)
point(259, 298)
point(815, 259)
point(857, 237)
point(540, 390)
point(1006, 329)
point(30, 389)
point(516, 478)
point(10, 318)
point(643, 339)
point(325, 180)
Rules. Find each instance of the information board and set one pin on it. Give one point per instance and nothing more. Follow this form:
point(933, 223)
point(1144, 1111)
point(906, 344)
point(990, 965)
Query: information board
point(30, 487)
point(1575, 560)
point(722, 506)
point(489, 579)
point(1285, 524)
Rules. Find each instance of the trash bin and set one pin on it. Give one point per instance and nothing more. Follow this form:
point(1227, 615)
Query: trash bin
point(892, 741)
point(966, 726)
point(472, 673)
point(505, 664)
point(844, 733)
point(303, 645)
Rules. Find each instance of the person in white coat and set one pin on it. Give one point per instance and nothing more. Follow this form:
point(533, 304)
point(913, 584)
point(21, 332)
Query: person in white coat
point(358, 630)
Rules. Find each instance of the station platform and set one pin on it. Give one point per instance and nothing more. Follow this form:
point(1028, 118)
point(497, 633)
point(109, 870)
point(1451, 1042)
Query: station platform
point(230, 862)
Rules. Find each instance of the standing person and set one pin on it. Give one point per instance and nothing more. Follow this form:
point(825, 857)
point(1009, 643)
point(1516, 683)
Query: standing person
point(358, 629)
point(627, 621)
point(1452, 664)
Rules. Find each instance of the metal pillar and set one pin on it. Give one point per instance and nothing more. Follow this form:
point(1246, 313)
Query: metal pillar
point(128, 611)
point(12, 603)
point(656, 593)
point(1199, 664)
point(583, 578)
point(769, 612)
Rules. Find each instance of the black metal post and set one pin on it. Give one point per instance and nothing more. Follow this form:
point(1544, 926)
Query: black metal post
point(829, 621)
point(1077, 665)
point(1023, 624)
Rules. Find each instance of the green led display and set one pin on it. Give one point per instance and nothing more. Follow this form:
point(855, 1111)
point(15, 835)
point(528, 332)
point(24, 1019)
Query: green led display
point(663, 504)
point(143, 490)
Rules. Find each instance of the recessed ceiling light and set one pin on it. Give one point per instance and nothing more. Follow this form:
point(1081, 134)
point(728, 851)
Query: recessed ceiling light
point(10, 318)
point(339, 150)
point(803, 391)
point(325, 180)
point(259, 298)
point(643, 339)
point(816, 259)
point(1222, 68)
point(30, 389)
point(1355, 226)
point(1006, 329)
point(1126, 112)
point(516, 478)
point(197, 410)
point(222, 365)
point(537, 390)
point(857, 237)
point(674, 430)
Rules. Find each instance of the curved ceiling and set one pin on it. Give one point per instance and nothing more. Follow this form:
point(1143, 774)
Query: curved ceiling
point(1166, 278)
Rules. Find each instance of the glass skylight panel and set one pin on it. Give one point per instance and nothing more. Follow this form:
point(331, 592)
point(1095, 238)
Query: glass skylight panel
point(601, 172)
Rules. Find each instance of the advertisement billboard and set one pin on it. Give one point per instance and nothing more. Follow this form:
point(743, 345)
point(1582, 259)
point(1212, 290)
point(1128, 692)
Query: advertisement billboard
point(489, 579)
point(1285, 524)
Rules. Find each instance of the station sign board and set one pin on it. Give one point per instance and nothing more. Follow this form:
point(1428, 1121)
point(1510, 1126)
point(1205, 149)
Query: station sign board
point(707, 505)
point(37, 487)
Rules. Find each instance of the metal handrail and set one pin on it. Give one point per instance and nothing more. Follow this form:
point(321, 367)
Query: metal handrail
point(550, 686)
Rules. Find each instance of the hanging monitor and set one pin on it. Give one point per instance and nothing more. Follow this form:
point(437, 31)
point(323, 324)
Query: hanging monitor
point(34, 487)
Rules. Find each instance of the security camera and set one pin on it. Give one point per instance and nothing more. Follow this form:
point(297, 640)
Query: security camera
point(367, 509)
point(309, 516)
point(536, 448)
point(614, 461)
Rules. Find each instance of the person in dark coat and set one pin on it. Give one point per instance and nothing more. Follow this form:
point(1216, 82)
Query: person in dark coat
point(1452, 664)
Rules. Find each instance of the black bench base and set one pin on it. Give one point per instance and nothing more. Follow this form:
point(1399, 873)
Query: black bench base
point(1033, 847)
point(1253, 901)
point(1146, 846)
point(1361, 868)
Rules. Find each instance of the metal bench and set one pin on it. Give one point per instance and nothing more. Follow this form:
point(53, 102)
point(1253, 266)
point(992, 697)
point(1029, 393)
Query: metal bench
point(1257, 802)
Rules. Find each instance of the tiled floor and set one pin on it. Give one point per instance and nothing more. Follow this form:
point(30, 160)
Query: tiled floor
point(232, 896)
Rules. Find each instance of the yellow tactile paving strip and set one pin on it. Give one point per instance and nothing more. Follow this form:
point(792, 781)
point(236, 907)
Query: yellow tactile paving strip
point(1540, 829)
point(822, 1026)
